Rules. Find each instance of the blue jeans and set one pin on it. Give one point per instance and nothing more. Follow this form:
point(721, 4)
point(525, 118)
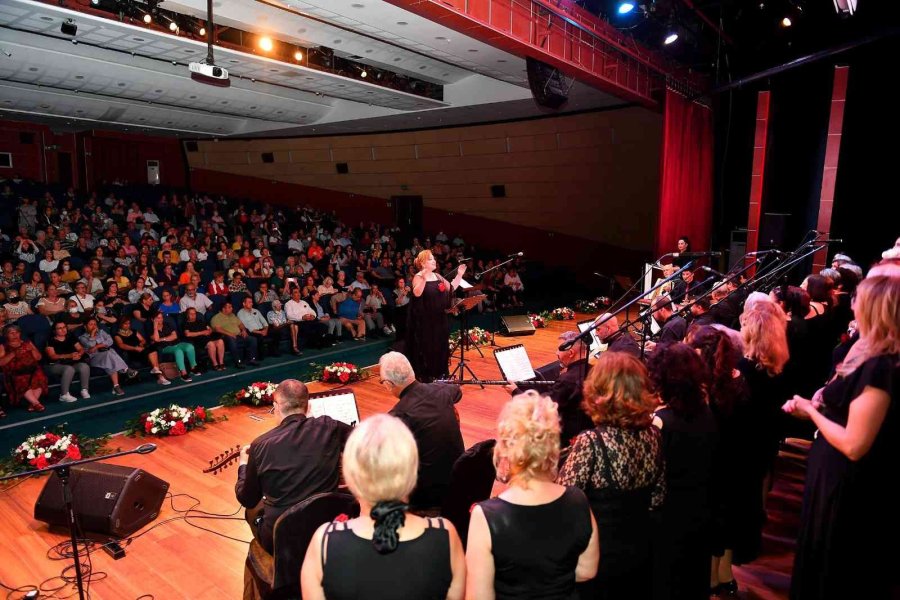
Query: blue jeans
point(237, 345)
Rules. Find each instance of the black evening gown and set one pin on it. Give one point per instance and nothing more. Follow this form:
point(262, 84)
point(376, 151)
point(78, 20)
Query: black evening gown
point(428, 332)
point(847, 505)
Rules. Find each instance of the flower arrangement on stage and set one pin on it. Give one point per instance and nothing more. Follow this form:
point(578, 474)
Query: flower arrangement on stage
point(255, 394)
point(48, 448)
point(477, 337)
point(170, 421)
point(592, 306)
point(537, 321)
point(339, 372)
point(560, 314)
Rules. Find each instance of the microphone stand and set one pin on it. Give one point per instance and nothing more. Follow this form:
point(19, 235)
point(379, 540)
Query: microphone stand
point(477, 277)
point(685, 310)
point(63, 472)
point(586, 334)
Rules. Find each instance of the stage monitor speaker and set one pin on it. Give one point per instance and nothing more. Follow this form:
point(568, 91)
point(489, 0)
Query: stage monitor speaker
point(547, 84)
point(108, 499)
point(516, 325)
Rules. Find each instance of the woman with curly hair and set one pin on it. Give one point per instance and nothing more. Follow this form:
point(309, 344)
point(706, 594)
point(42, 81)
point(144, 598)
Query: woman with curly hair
point(736, 502)
point(537, 538)
point(846, 508)
point(387, 552)
point(619, 465)
point(682, 544)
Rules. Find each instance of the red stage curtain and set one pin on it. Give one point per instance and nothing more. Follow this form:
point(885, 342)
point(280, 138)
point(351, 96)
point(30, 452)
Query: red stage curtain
point(686, 197)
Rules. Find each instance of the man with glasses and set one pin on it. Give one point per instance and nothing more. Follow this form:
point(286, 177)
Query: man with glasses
point(194, 299)
point(429, 410)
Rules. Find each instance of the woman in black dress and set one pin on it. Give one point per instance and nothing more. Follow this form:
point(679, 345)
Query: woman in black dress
point(620, 467)
point(428, 325)
point(846, 506)
point(682, 544)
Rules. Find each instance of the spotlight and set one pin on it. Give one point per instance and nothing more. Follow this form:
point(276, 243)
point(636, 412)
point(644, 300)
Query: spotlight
point(266, 43)
point(625, 8)
point(298, 56)
point(786, 22)
point(845, 8)
point(95, 2)
point(68, 27)
point(173, 26)
point(203, 31)
point(671, 38)
point(363, 74)
point(148, 19)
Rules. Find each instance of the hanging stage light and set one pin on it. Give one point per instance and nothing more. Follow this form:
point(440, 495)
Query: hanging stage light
point(625, 8)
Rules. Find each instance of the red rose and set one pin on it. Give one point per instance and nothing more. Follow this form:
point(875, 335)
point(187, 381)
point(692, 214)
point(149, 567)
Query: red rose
point(179, 429)
point(73, 452)
point(241, 394)
point(200, 413)
point(40, 462)
point(341, 518)
point(442, 287)
point(52, 437)
point(148, 425)
point(344, 377)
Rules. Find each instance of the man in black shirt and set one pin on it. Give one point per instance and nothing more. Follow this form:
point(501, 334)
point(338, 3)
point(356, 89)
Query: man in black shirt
point(429, 410)
point(615, 340)
point(299, 458)
point(673, 326)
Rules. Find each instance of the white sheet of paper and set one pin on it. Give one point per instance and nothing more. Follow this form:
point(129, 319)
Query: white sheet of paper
point(465, 285)
point(514, 363)
point(340, 407)
point(596, 346)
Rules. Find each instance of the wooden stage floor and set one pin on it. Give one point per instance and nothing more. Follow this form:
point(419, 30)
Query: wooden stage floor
point(178, 560)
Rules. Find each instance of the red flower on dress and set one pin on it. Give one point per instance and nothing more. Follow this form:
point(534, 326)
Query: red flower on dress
point(179, 429)
point(442, 287)
point(73, 452)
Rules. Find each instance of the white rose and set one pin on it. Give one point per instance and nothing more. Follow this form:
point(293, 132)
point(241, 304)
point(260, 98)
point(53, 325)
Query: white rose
point(185, 419)
point(154, 430)
point(30, 455)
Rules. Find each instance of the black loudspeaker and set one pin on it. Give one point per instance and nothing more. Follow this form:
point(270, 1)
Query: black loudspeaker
point(191, 146)
point(547, 84)
point(516, 325)
point(108, 499)
point(498, 191)
point(772, 230)
point(268, 157)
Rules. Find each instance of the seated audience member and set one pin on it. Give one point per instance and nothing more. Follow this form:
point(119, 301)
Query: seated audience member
point(199, 334)
point(65, 355)
point(566, 391)
point(327, 287)
point(512, 288)
point(144, 310)
point(256, 324)
point(685, 288)
point(372, 311)
point(297, 459)
point(169, 304)
point(33, 289)
point(429, 410)
point(682, 544)
point(23, 377)
point(237, 283)
point(264, 294)
point(71, 317)
point(235, 335)
point(303, 320)
point(133, 345)
point(674, 327)
point(166, 343)
point(401, 302)
point(348, 307)
point(538, 538)
point(217, 286)
point(15, 307)
point(52, 304)
point(619, 464)
point(420, 557)
point(700, 314)
point(83, 300)
point(194, 299)
point(334, 329)
point(105, 317)
point(100, 353)
point(62, 287)
point(137, 292)
point(359, 283)
point(92, 285)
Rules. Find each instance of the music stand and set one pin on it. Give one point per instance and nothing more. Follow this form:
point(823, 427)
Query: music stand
point(462, 307)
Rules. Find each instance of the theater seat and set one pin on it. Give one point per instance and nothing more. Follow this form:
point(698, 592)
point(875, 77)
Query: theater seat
point(471, 481)
point(268, 577)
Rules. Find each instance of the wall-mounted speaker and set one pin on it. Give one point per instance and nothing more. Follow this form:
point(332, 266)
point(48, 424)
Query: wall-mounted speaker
point(548, 86)
point(498, 191)
point(342, 168)
point(268, 157)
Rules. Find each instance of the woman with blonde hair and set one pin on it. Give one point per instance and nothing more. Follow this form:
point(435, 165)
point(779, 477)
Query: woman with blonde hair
point(619, 464)
point(538, 538)
point(428, 325)
point(845, 507)
point(387, 552)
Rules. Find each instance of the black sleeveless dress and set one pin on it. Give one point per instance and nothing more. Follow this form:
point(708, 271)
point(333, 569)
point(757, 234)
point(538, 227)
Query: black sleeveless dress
point(428, 332)
point(536, 548)
point(418, 568)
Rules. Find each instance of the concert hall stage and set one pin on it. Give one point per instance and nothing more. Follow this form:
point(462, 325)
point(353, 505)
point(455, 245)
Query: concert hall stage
point(179, 559)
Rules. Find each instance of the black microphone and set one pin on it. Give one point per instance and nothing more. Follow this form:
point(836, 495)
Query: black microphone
point(829, 241)
point(694, 254)
point(145, 448)
point(516, 254)
point(764, 252)
point(713, 271)
point(462, 259)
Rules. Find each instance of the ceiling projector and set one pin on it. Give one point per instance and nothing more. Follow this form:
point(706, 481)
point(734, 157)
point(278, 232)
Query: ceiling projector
point(210, 74)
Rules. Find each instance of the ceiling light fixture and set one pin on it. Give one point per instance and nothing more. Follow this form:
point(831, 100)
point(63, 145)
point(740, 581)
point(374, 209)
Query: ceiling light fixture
point(298, 56)
point(786, 22)
point(173, 26)
point(364, 74)
point(671, 38)
point(68, 27)
point(265, 43)
point(148, 19)
point(845, 8)
point(625, 8)
point(202, 31)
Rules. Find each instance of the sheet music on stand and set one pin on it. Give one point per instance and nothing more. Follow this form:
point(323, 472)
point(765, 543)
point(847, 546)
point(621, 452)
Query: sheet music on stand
point(339, 404)
point(465, 285)
point(596, 346)
point(514, 363)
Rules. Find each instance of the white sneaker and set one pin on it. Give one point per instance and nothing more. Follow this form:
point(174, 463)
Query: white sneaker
point(155, 371)
point(85, 394)
point(387, 330)
point(67, 398)
point(163, 381)
point(393, 329)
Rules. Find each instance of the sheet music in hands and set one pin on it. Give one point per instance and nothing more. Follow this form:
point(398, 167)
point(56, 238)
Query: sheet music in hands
point(464, 285)
point(596, 346)
point(338, 404)
point(514, 363)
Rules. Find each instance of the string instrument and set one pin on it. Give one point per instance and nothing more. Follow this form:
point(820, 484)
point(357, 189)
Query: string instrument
point(492, 382)
point(222, 461)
